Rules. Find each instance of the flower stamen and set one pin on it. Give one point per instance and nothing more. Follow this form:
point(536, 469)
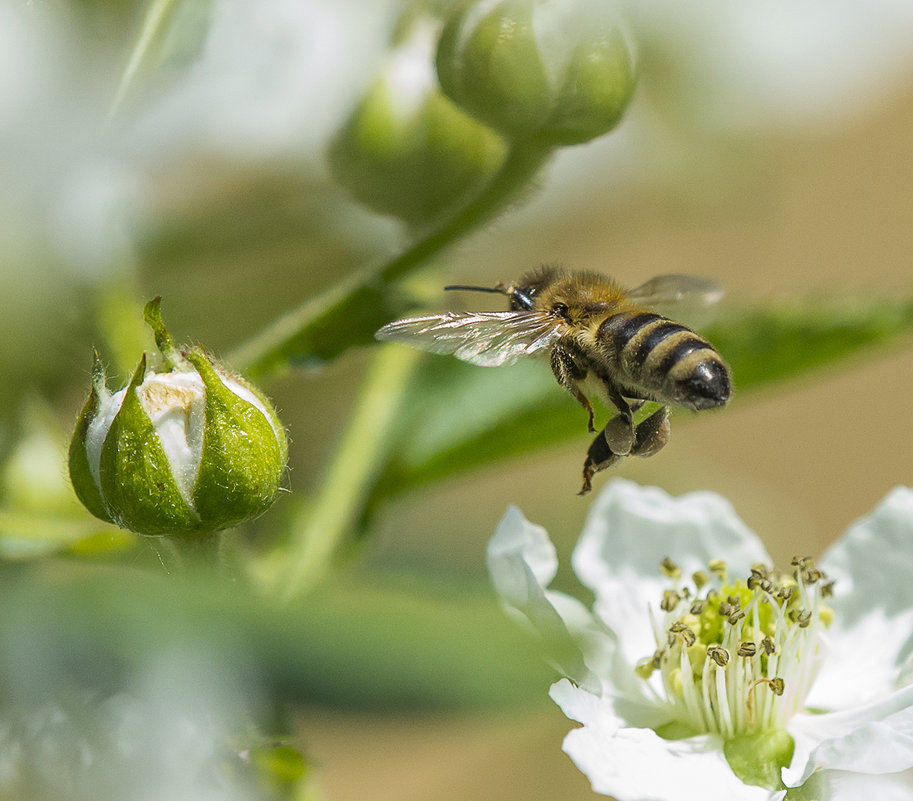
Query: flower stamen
point(770, 623)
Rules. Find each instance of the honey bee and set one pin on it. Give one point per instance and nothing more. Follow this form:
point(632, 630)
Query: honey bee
point(598, 337)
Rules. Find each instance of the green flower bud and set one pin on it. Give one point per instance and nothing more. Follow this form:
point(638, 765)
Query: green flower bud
point(186, 448)
point(407, 150)
point(561, 71)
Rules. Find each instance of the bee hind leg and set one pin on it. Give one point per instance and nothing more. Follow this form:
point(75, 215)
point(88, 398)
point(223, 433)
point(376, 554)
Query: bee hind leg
point(619, 431)
point(598, 457)
point(568, 372)
point(650, 436)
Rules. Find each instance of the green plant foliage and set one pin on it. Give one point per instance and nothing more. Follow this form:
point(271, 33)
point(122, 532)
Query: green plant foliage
point(346, 316)
point(457, 416)
point(357, 646)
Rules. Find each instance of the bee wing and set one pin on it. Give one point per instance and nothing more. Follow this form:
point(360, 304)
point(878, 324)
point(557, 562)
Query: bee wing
point(675, 288)
point(487, 339)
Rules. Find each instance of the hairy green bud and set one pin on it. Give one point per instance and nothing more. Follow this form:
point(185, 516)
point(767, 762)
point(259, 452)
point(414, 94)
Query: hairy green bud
point(560, 71)
point(184, 448)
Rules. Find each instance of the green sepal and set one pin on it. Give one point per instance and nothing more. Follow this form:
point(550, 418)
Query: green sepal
point(495, 71)
point(80, 475)
point(758, 758)
point(242, 460)
point(417, 165)
point(275, 422)
point(136, 478)
point(598, 85)
point(163, 341)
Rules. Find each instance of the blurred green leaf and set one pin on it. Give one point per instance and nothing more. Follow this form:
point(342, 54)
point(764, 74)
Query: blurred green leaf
point(39, 513)
point(364, 646)
point(342, 317)
point(170, 37)
point(767, 344)
point(457, 416)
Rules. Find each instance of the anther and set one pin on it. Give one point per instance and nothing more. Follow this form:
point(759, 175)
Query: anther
point(747, 649)
point(760, 570)
point(718, 654)
point(670, 569)
point(718, 568)
point(671, 599)
point(700, 578)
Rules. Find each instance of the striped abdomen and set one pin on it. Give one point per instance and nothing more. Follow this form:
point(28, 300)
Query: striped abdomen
point(665, 361)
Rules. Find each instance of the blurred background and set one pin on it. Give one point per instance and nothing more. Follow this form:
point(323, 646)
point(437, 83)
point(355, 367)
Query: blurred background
point(768, 148)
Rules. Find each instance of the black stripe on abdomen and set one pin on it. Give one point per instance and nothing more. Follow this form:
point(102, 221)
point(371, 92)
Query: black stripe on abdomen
point(623, 328)
point(653, 338)
point(680, 350)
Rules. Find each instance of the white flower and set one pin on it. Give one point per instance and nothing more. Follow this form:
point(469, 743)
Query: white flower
point(760, 691)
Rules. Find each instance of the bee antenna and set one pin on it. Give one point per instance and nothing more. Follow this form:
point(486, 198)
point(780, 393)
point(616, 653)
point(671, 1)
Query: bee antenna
point(500, 289)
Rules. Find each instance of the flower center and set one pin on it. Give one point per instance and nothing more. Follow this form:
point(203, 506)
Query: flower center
point(738, 657)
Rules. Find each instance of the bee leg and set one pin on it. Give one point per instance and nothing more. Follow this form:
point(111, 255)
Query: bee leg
point(619, 431)
point(598, 457)
point(568, 372)
point(652, 434)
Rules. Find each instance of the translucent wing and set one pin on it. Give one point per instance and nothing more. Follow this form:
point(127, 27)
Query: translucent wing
point(675, 288)
point(487, 339)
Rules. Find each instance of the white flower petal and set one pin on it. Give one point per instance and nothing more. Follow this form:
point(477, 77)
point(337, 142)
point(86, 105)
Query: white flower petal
point(873, 605)
point(637, 764)
point(861, 662)
point(844, 786)
point(518, 542)
point(875, 738)
point(521, 561)
point(873, 561)
point(630, 529)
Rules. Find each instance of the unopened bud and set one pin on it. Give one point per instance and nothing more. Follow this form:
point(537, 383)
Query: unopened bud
point(561, 72)
point(407, 150)
point(185, 448)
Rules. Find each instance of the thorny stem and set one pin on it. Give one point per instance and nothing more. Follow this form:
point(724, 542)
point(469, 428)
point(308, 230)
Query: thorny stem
point(319, 528)
point(521, 164)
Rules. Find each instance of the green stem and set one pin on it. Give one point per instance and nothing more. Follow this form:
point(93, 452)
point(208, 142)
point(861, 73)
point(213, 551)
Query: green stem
point(156, 15)
point(181, 555)
point(521, 164)
point(319, 528)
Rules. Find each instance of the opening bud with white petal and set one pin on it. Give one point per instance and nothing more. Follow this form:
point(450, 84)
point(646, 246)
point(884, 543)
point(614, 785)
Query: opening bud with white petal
point(558, 71)
point(184, 448)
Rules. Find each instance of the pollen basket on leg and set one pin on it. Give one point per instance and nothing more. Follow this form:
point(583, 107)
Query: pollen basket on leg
point(736, 657)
